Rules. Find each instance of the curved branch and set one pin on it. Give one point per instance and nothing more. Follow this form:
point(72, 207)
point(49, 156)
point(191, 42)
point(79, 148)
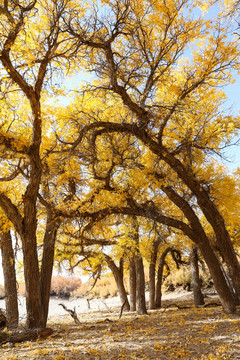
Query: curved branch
point(12, 213)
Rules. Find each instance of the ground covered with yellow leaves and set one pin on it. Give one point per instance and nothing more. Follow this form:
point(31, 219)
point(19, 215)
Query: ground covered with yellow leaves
point(178, 331)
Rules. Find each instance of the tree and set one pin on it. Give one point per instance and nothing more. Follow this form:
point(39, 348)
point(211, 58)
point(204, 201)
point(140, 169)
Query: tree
point(172, 105)
point(30, 52)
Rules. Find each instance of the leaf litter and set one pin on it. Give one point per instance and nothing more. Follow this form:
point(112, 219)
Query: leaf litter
point(179, 331)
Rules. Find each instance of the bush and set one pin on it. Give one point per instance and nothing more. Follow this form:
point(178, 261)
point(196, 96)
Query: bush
point(104, 288)
point(61, 286)
point(182, 279)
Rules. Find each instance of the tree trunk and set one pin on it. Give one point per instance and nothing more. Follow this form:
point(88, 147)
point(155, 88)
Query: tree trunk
point(158, 295)
point(10, 284)
point(196, 282)
point(152, 273)
point(219, 280)
point(199, 237)
point(212, 215)
point(140, 276)
point(52, 226)
point(132, 284)
point(140, 285)
point(118, 276)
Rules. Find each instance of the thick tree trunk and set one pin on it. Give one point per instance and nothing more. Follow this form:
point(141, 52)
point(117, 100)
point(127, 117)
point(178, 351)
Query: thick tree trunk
point(212, 215)
point(10, 284)
point(118, 276)
point(140, 285)
point(35, 315)
point(158, 295)
point(219, 280)
point(139, 269)
point(52, 226)
point(224, 243)
point(199, 237)
point(132, 284)
point(152, 274)
point(196, 282)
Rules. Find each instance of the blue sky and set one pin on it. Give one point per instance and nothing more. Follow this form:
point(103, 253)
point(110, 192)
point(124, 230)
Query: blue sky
point(233, 101)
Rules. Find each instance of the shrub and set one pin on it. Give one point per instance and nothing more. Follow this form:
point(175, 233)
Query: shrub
point(182, 278)
point(61, 285)
point(104, 288)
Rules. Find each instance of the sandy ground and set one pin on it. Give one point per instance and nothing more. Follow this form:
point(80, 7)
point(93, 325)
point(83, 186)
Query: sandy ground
point(82, 306)
point(177, 331)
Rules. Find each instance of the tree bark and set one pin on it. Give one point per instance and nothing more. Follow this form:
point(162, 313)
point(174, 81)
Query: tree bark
point(158, 295)
point(219, 280)
point(10, 284)
point(140, 276)
point(132, 284)
point(152, 273)
point(140, 285)
point(52, 226)
point(196, 282)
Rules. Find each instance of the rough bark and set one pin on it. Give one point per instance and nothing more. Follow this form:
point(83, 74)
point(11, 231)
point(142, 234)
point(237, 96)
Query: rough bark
point(158, 295)
point(52, 226)
point(139, 268)
point(152, 273)
point(3, 319)
point(140, 286)
point(10, 284)
point(132, 284)
point(196, 282)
